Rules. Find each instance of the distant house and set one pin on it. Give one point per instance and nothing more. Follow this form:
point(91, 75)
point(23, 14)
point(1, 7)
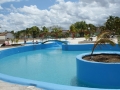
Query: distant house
point(6, 36)
point(64, 31)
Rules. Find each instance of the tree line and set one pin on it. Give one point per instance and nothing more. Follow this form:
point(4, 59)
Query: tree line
point(77, 29)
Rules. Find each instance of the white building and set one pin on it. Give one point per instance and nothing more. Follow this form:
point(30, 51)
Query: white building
point(6, 36)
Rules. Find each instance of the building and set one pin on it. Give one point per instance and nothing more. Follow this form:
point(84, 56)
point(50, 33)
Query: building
point(6, 36)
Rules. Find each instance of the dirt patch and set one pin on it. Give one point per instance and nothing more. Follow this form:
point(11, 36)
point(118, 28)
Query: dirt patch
point(107, 58)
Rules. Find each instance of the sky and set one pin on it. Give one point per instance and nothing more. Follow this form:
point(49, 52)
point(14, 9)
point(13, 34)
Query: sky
point(21, 14)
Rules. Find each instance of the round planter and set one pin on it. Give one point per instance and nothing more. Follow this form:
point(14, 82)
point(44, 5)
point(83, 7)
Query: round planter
point(98, 74)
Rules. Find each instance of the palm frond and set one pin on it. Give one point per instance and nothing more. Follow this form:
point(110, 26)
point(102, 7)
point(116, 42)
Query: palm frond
point(103, 39)
point(103, 35)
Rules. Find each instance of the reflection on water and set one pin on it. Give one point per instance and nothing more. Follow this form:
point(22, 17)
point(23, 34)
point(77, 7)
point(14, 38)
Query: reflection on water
point(75, 82)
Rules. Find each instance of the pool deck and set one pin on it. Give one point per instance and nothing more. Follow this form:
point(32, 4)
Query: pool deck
point(10, 86)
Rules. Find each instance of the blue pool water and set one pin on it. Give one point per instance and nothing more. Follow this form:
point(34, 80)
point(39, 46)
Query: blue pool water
point(39, 62)
point(48, 65)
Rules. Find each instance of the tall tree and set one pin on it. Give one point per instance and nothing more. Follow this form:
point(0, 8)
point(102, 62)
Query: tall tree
point(35, 30)
point(46, 31)
point(56, 32)
point(113, 24)
point(73, 31)
point(80, 27)
point(91, 28)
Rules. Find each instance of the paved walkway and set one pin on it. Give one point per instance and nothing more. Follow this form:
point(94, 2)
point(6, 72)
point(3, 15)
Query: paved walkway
point(11, 86)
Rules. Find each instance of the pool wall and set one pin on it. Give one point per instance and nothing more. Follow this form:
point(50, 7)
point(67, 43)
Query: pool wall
point(21, 49)
point(44, 85)
point(81, 47)
point(98, 74)
point(22, 81)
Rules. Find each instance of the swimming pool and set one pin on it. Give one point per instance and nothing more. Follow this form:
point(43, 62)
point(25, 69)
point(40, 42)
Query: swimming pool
point(48, 65)
point(41, 63)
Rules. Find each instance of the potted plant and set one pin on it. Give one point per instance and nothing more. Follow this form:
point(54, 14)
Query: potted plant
point(100, 69)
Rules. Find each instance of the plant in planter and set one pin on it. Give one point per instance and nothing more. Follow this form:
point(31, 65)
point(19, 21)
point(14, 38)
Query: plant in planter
point(98, 73)
point(103, 39)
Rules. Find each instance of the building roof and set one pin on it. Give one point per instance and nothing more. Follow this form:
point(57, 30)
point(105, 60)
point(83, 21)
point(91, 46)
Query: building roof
point(4, 33)
point(65, 30)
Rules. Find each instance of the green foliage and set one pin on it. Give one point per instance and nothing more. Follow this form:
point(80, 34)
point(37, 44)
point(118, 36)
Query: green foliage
point(113, 24)
point(66, 35)
point(80, 25)
point(80, 28)
point(27, 32)
point(73, 31)
point(56, 32)
point(16, 40)
point(118, 39)
point(87, 36)
point(102, 39)
point(72, 28)
point(12, 40)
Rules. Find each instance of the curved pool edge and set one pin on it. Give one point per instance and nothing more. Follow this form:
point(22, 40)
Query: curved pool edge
point(100, 52)
point(39, 84)
point(95, 73)
point(42, 85)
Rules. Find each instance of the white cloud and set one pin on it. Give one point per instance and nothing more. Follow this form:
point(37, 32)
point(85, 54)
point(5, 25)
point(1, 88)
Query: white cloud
point(1, 8)
point(4, 1)
point(30, 10)
point(62, 14)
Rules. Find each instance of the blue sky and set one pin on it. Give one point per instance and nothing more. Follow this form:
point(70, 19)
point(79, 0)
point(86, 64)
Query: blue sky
point(21, 14)
point(42, 4)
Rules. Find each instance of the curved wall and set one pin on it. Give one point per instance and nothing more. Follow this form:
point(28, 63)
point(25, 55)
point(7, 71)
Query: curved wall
point(98, 74)
point(21, 49)
point(44, 85)
point(81, 47)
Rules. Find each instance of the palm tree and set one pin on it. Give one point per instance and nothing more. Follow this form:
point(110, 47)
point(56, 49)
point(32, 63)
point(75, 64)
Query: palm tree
point(102, 39)
point(66, 35)
point(80, 27)
point(72, 31)
point(45, 32)
point(118, 39)
point(91, 28)
point(56, 32)
point(28, 33)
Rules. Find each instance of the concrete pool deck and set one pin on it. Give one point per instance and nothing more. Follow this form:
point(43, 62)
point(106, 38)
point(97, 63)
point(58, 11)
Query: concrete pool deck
point(10, 86)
